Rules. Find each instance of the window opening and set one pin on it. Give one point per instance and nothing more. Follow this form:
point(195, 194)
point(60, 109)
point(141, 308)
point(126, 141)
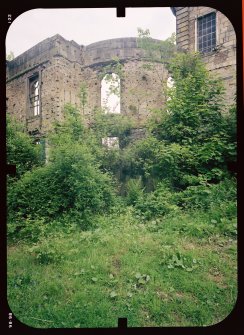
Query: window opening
point(110, 93)
point(34, 95)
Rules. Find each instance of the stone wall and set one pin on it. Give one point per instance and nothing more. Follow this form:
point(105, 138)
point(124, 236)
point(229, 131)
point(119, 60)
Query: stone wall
point(222, 61)
point(59, 85)
point(63, 66)
point(43, 52)
point(104, 51)
point(142, 89)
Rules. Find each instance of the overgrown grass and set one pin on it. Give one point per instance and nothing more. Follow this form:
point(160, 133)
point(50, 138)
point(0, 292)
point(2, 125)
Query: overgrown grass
point(178, 270)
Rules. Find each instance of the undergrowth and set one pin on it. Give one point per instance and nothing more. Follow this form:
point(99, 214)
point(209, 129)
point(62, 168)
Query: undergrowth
point(173, 270)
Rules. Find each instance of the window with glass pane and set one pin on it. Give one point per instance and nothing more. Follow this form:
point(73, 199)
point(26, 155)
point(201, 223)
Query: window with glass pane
point(206, 32)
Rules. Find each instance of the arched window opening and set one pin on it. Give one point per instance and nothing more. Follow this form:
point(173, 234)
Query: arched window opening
point(110, 93)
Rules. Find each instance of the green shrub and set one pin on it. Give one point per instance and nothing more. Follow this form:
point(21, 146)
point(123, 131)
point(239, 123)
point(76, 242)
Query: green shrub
point(157, 203)
point(45, 253)
point(25, 229)
point(72, 181)
point(134, 191)
point(194, 135)
point(208, 196)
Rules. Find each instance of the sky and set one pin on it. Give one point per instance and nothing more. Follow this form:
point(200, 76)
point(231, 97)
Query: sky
point(86, 25)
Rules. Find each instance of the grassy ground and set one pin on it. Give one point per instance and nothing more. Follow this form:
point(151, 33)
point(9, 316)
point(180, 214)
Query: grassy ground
point(176, 271)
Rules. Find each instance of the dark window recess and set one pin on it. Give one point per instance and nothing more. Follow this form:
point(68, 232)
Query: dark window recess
point(206, 33)
point(34, 95)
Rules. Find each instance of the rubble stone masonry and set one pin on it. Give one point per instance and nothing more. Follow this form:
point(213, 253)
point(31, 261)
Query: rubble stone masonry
point(63, 66)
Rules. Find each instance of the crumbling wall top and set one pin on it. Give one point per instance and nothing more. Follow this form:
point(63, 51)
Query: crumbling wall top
point(99, 52)
point(122, 48)
point(43, 52)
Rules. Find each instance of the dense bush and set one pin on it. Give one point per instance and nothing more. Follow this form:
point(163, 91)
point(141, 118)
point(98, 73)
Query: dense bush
point(118, 125)
point(194, 136)
point(21, 151)
point(134, 191)
point(218, 200)
point(72, 180)
point(162, 161)
point(157, 203)
point(210, 197)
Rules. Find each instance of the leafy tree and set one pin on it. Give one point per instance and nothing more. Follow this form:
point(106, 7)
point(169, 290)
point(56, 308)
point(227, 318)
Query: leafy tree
point(110, 124)
point(192, 139)
point(194, 108)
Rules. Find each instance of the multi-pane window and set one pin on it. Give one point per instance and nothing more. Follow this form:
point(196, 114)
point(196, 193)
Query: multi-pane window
point(34, 95)
point(206, 32)
point(110, 93)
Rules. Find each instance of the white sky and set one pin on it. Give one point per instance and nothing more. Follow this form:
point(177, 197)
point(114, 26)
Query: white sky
point(86, 26)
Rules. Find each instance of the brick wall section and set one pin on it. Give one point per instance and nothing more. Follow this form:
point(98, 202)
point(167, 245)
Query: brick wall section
point(222, 61)
point(64, 65)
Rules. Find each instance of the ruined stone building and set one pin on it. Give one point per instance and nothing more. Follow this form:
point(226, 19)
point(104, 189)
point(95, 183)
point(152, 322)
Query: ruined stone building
point(50, 74)
point(46, 77)
point(209, 32)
